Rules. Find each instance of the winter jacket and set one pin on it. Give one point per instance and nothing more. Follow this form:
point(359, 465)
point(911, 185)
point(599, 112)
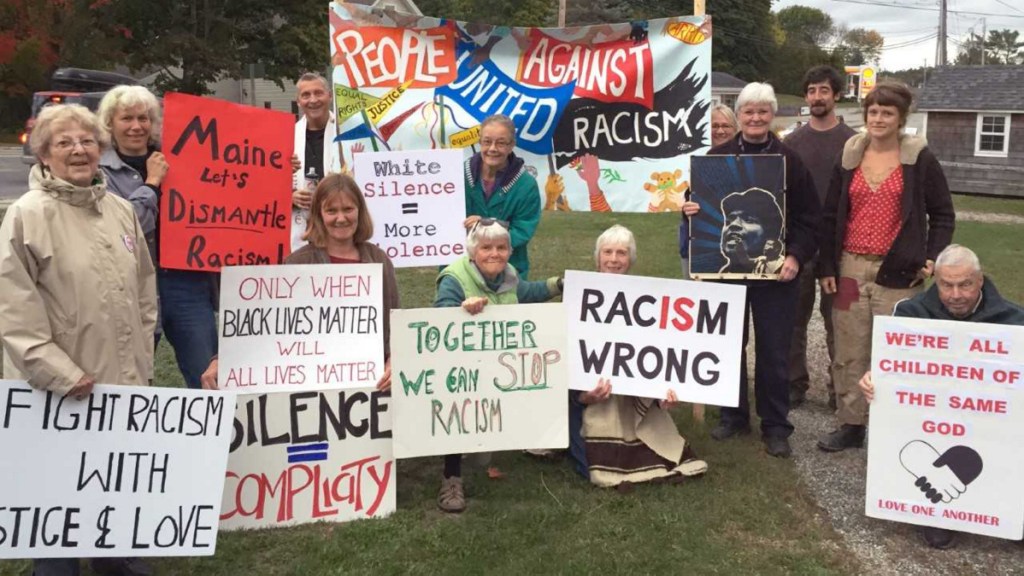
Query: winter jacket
point(78, 285)
point(368, 254)
point(927, 213)
point(516, 200)
point(992, 309)
point(461, 280)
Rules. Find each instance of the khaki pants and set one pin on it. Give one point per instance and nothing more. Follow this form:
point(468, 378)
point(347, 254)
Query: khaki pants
point(857, 301)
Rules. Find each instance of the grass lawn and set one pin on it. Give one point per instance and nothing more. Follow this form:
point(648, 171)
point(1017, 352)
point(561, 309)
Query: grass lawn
point(1014, 206)
point(748, 515)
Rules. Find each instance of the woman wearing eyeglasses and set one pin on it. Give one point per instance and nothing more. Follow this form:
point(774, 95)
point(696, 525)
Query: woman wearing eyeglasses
point(498, 186)
point(79, 289)
point(483, 276)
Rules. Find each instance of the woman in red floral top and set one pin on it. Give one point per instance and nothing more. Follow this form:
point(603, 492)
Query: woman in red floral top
point(887, 216)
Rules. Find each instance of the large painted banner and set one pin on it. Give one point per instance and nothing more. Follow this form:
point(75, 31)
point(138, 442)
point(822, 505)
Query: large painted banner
point(740, 231)
point(946, 426)
point(493, 381)
point(652, 335)
point(418, 203)
point(301, 327)
point(300, 457)
point(128, 471)
point(606, 115)
point(227, 197)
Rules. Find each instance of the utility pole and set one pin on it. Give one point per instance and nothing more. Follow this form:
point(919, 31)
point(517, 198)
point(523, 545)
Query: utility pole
point(940, 56)
point(983, 33)
point(561, 13)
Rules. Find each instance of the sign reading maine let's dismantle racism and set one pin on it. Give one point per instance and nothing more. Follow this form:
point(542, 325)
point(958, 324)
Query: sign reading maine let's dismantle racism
point(226, 200)
point(128, 471)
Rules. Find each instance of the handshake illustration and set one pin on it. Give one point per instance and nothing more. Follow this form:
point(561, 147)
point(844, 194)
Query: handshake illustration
point(942, 477)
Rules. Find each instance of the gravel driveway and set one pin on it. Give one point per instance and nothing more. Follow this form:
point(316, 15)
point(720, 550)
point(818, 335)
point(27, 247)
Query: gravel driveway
point(836, 481)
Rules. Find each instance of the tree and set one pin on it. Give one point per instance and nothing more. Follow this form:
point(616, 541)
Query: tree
point(499, 12)
point(583, 12)
point(1003, 47)
point(806, 25)
point(202, 41)
point(858, 46)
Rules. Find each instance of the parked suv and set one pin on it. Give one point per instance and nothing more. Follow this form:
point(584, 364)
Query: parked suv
point(70, 86)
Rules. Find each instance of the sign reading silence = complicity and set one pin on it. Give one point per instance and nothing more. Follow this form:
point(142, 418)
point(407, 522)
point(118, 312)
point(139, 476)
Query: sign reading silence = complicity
point(301, 327)
point(491, 381)
point(128, 471)
point(652, 335)
point(946, 425)
point(226, 200)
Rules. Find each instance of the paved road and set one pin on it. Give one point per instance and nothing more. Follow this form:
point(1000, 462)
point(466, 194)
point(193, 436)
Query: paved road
point(13, 174)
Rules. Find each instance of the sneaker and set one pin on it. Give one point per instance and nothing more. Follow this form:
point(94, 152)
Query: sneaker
point(120, 567)
point(726, 430)
point(451, 498)
point(777, 446)
point(846, 436)
point(938, 537)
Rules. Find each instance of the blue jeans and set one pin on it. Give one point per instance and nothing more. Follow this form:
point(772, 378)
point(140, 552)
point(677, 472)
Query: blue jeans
point(188, 302)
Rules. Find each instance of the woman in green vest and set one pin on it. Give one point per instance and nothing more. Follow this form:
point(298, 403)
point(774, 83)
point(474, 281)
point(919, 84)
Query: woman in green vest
point(483, 277)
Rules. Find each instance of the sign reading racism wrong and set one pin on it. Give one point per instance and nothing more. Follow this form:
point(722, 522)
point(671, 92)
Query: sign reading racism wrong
point(652, 335)
point(226, 199)
point(299, 457)
point(418, 203)
point(301, 327)
point(128, 471)
point(605, 116)
point(946, 426)
point(475, 383)
point(740, 230)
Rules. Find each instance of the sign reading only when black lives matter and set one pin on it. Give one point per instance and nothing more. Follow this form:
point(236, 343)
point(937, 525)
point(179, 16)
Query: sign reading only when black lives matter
point(128, 471)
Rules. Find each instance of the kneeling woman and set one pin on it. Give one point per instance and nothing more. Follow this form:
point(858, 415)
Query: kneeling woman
point(615, 440)
point(483, 277)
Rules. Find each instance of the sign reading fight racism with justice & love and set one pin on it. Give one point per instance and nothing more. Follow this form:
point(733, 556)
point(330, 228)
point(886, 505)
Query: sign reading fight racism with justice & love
point(128, 471)
point(226, 200)
point(946, 425)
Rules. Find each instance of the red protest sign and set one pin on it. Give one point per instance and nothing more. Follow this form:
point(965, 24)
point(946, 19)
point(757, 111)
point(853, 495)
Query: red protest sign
point(226, 200)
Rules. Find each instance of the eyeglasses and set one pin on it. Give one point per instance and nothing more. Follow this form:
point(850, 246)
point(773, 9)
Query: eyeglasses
point(499, 144)
point(484, 222)
point(721, 126)
point(69, 144)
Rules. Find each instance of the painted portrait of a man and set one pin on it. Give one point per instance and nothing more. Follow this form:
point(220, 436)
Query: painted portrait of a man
point(752, 229)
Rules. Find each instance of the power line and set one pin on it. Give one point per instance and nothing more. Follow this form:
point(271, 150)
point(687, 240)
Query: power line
point(909, 7)
point(1010, 6)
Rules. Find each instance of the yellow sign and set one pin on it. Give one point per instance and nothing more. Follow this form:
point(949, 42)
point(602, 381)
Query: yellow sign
point(378, 109)
point(466, 137)
point(350, 102)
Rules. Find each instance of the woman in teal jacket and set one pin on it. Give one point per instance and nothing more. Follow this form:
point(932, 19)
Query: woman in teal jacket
point(498, 186)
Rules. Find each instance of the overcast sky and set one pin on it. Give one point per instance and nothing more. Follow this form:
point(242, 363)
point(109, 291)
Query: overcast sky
point(913, 20)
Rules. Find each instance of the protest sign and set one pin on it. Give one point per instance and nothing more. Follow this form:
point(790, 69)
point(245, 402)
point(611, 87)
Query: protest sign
point(418, 203)
point(226, 200)
point(301, 327)
point(128, 471)
point(300, 457)
point(740, 230)
point(946, 426)
point(652, 335)
point(614, 110)
point(491, 381)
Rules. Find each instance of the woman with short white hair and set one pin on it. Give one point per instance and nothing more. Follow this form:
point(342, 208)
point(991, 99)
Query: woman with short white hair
point(771, 303)
point(617, 440)
point(483, 276)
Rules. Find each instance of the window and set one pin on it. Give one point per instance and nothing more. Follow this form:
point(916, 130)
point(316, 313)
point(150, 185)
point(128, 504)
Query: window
point(993, 135)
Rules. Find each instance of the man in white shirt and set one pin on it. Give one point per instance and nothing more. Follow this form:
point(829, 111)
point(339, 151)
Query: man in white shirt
point(314, 148)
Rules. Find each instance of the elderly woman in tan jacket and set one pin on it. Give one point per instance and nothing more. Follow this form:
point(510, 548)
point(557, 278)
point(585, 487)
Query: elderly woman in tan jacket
point(79, 289)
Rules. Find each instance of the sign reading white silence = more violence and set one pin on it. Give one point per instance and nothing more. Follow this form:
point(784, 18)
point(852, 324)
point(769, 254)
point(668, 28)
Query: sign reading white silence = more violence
point(947, 426)
point(475, 383)
point(299, 457)
point(418, 203)
point(128, 471)
point(294, 327)
point(652, 335)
